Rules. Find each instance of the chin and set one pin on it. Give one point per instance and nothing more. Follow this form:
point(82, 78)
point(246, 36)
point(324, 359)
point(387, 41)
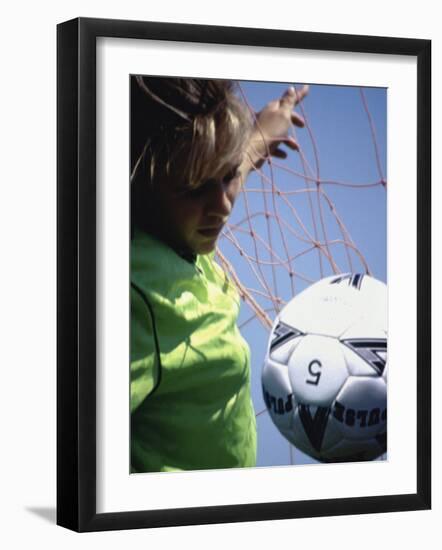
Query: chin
point(206, 249)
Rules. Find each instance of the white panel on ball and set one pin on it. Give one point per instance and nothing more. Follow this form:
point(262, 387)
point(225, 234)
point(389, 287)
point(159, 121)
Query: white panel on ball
point(282, 353)
point(317, 370)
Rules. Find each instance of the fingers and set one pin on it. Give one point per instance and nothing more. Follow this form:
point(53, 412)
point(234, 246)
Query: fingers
point(280, 153)
point(300, 94)
point(274, 123)
point(293, 96)
point(297, 120)
point(292, 144)
point(288, 99)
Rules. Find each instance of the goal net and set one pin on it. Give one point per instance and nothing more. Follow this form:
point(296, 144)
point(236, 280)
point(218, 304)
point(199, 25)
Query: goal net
point(319, 212)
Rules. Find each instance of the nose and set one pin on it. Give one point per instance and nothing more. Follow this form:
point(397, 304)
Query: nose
point(220, 203)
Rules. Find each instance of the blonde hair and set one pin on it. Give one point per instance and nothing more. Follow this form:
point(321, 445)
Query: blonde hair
point(191, 128)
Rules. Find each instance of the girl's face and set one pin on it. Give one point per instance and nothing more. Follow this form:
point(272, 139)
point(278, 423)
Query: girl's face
point(190, 220)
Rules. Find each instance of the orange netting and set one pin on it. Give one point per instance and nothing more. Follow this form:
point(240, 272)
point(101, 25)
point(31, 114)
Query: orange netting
point(272, 237)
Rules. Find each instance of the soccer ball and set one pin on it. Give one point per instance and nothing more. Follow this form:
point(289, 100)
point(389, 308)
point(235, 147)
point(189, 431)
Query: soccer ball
point(325, 373)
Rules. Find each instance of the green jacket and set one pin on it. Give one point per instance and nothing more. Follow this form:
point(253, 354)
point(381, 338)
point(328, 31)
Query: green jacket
point(191, 406)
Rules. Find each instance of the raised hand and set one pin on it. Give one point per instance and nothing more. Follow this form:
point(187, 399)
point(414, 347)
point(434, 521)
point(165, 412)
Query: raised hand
point(271, 128)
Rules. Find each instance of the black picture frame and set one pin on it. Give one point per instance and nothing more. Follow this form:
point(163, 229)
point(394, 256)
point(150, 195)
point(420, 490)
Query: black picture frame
point(76, 273)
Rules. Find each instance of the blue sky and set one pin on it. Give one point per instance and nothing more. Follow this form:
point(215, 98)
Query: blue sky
point(343, 139)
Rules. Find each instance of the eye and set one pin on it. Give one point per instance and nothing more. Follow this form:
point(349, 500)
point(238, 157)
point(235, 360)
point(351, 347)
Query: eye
point(197, 191)
point(232, 174)
point(208, 184)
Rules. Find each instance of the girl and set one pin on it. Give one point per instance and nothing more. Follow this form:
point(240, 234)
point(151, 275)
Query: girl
point(192, 146)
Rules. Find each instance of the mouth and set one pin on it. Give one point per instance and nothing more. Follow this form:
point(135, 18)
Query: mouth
point(210, 231)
